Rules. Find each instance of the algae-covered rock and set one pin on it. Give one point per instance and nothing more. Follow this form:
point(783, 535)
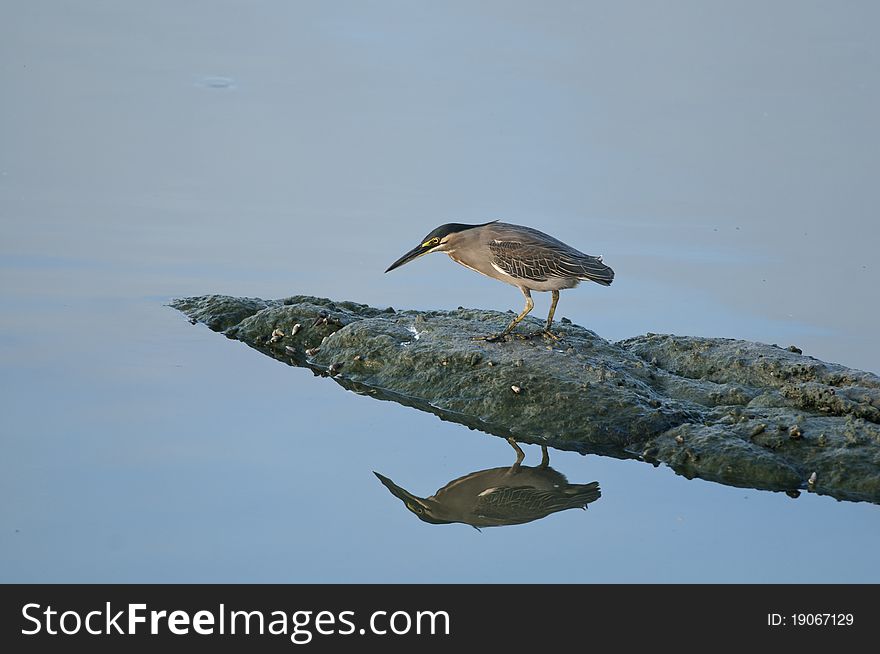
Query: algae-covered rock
point(735, 412)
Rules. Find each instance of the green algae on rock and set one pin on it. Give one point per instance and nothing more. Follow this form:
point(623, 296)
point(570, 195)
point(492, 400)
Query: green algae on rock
point(736, 412)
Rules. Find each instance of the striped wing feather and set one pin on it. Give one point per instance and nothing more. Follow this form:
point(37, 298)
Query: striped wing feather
point(526, 500)
point(539, 257)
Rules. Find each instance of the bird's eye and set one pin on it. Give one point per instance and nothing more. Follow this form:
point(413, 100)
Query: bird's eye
point(432, 242)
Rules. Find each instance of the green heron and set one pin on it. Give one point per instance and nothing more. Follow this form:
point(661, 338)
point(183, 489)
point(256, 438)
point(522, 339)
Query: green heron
point(521, 256)
point(511, 495)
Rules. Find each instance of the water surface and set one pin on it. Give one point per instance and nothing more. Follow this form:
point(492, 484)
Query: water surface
point(723, 159)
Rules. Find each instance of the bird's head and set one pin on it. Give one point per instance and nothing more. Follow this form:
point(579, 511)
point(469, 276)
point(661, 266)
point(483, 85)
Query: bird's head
point(439, 240)
point(422, 507)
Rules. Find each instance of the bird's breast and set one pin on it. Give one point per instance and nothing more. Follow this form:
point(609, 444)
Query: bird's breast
point(459, 261)
point(488, 272)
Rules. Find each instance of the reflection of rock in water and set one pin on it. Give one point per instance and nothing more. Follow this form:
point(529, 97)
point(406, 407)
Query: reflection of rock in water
point(735, 412)
point(510, 495)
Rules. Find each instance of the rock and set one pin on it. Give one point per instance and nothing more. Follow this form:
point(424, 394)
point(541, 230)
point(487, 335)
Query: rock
point(699, 405)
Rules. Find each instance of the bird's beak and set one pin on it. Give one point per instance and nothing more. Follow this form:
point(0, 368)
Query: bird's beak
point(398, 492)
point(415, 253)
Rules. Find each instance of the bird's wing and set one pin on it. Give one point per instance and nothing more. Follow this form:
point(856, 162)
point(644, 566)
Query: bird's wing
point(539, 258)
point(530, 501)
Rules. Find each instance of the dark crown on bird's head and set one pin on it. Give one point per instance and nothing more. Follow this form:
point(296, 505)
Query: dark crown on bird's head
point(452, 228)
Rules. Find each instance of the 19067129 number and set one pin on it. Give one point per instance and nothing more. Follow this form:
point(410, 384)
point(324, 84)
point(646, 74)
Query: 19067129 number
point(822, 619)
point(810, 620)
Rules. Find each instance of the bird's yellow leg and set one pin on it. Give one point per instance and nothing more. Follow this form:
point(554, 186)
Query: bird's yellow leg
point(552, 311)
point(520, 455)
point(529, 306)
point(546, 331)
point(545, 457)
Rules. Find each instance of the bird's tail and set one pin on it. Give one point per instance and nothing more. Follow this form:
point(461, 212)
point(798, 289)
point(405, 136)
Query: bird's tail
point(582, 494)
point(595, 270)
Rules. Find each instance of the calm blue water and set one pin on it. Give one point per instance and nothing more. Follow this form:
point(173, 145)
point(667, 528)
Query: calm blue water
point(722, 159)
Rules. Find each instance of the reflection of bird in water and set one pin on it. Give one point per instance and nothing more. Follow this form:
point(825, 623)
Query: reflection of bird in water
point(500, 496)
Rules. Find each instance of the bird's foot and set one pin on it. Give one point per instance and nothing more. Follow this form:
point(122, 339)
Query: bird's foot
point(492, 338)
point(545, 333)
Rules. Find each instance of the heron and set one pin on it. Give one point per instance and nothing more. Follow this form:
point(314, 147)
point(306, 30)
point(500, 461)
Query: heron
point(521, 256)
